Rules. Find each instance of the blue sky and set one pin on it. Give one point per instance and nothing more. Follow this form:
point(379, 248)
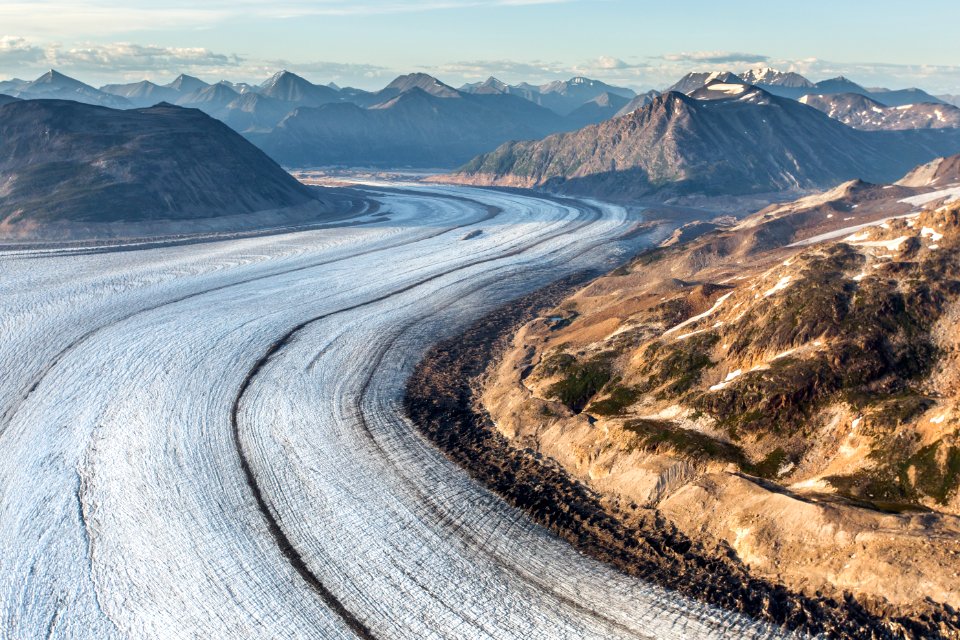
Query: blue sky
point(367, 42)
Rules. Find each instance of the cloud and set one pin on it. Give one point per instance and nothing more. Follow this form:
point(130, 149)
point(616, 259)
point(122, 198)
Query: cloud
point(16, 52)
point(326, 71)
point(124, 57)
point(59, 18)
point(609, 62)
point(506, 70)
point(125, 61)
point(716, 57)
point(119, 61)
point(606, 68)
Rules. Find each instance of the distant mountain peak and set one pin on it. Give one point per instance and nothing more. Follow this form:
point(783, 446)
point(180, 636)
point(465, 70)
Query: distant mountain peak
point(289, 87)
point(583, 89)
point(214, 94)
point(56, 85)
point(283, 76)
point(773, 77)
point(604, 99)
point(55, 77)
point(675, 144)
point(425, 82)
point(495, 83)
point(282, 79)
point(489, 86)
point(638, 102)
point(697, 79)
point(187, 84)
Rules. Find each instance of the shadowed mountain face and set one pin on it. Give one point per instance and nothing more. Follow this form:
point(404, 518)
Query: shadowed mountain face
point(601, 108)
point(736, 140)
point(65, 162)
point(253, 112)
point(213, 98)
point(426, 83)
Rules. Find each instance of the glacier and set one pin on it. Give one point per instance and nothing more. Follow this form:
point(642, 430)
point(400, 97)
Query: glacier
point(206, 440)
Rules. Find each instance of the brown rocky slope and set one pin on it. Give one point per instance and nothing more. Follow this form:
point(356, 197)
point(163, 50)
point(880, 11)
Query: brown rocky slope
point(792, 402)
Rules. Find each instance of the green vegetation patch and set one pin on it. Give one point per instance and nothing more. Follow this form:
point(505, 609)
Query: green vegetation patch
point(557, 363)
point(581, 380)
point(903, 478)
point(814, 305)
point(769, 466)
point(932, 478)
point(656, 435)
point(618, 399)
point(675, 367)
point(778, 399)
point(889, 408)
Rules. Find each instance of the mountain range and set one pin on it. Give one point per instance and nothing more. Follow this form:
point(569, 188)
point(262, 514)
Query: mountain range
point(417, 120)
point(564, 97)
point(55, 85)
point(725, 138)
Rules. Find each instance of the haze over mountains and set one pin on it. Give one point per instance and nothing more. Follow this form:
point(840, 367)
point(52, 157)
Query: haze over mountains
point(414, 120)
point(564, 97)
point(418, 121)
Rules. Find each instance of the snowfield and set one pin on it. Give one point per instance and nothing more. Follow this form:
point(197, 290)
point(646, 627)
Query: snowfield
point(206, 440)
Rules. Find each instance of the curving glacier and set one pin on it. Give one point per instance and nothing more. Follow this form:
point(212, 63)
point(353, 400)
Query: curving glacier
point(206, 440)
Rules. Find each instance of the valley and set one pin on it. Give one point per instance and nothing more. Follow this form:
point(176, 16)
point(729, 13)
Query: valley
point(638, 347)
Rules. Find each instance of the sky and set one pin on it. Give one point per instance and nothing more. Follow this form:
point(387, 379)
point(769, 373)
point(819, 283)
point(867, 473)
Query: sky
point(366, 43)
